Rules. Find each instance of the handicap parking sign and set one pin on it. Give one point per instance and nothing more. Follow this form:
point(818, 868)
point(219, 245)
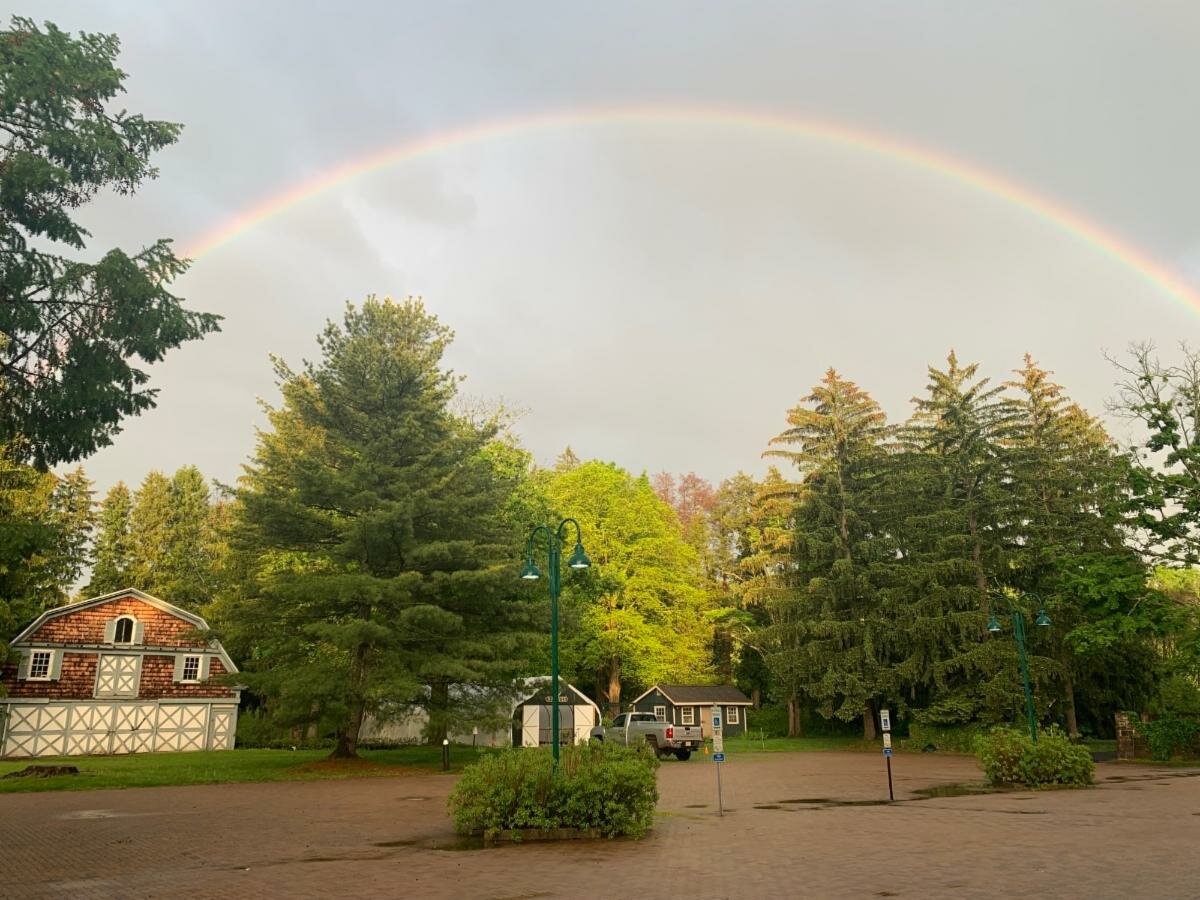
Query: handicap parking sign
point(718, 757)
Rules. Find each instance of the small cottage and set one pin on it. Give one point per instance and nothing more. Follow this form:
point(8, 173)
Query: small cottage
point(532, 716)
point(121, 673)
point(691, 704)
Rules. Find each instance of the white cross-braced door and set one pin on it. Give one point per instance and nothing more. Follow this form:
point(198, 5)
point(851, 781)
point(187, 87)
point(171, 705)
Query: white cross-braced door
point(117, 676)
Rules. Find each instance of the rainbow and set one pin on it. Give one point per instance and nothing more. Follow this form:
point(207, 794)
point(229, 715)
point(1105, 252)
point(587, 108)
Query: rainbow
point(852, 138)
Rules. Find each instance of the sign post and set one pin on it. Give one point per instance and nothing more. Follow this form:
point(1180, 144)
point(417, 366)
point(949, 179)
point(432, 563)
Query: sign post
point(718, 753)
point(885, 725)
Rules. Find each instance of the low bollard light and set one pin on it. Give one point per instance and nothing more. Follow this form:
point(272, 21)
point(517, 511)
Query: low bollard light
point(445, 754)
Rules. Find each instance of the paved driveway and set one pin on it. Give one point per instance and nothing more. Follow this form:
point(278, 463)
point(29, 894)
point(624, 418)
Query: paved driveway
point(796, 825)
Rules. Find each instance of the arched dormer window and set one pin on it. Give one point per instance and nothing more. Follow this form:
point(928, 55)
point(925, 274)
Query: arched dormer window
point(123, 631)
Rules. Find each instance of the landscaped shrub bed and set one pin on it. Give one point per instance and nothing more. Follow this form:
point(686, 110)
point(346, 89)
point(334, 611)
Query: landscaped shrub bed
point(598, 787)
point(1169, 735)
point(1011, 757)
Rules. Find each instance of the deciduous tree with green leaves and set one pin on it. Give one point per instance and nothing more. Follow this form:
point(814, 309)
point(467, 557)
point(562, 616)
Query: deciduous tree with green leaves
point(638, 615)
point(70, 328)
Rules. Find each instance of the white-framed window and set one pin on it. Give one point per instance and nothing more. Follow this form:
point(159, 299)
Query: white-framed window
point(40, 662)
point(687, 715)
point(660, 713)
point(123, 630)
point(191, 669)
point(731, 715)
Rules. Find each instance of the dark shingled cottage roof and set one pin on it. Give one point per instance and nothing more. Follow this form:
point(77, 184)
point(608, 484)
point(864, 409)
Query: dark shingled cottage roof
point(703, 693)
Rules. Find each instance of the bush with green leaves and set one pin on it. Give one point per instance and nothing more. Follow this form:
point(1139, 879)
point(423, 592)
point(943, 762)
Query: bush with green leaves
point(602, 787)
point(1009, 756)
point(1169, 735)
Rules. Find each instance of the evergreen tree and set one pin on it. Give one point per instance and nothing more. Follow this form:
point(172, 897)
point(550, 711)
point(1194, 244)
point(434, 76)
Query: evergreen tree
point(73, 513)
point(114, 543)
point(150, 522)
point(946, 509)
point(829, 613)
point(385, 563)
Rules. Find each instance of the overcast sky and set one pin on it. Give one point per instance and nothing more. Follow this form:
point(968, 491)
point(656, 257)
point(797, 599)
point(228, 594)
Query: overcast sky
point(657, 294)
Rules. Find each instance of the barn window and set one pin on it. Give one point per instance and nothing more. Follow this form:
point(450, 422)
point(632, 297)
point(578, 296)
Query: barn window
point(191, 668)
point(123, 633)
point(731, 715)
point(687, 715)
point(39, 665)
point(660, 713)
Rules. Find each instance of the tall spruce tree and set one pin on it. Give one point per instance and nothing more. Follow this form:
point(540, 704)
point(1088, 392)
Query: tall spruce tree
point(385, 564)
point(837, 440)
point(946, 508)
point(114, 543)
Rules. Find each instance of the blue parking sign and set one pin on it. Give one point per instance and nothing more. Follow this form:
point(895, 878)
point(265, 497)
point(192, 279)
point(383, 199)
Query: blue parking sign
point(887, 751)
point(718, 757)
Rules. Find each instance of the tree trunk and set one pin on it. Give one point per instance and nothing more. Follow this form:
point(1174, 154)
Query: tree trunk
point(795, 726)
point(977, 559)
point(614, 687)
point(346, 745)
point(869, 721)
point(1072, 721)
point(439, 708)
point(756, 698)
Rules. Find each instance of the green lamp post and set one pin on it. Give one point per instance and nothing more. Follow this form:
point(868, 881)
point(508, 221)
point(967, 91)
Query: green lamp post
point(578, 560)
point(1018, 619)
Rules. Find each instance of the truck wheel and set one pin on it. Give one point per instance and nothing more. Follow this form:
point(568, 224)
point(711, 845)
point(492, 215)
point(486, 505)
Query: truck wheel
point(683, 755)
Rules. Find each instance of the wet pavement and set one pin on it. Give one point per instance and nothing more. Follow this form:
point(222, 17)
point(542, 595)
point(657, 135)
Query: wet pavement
point(811, 824)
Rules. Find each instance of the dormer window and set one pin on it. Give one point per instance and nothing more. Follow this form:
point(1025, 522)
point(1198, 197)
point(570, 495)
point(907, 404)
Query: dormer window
point(123, 632)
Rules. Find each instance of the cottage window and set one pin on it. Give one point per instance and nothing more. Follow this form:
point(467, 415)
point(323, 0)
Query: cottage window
point(660, 713)
point(123, 633)
point(191, 668)
point(39, 665)
point(687, 715)
point(731, 715)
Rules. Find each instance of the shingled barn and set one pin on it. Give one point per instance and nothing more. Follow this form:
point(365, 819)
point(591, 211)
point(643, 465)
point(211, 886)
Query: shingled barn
point(121, 673)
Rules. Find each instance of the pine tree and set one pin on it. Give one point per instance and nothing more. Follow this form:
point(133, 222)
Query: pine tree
point(385, 563)
point(114, 543)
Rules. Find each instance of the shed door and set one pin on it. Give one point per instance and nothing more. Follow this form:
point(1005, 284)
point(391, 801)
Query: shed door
point(133, 728)
point(117, 676)
point(221, 728)
point(182, 726)
point(585, 719)
point(530, 725)
point(36, 729)
point(706, 720)
point(91, 729)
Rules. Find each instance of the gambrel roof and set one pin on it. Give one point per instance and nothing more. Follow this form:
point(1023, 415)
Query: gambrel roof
point(132, 593)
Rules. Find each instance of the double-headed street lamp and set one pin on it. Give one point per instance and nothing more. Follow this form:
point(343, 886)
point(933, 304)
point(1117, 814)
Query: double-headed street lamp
point(578, 560)
point(1018, 619)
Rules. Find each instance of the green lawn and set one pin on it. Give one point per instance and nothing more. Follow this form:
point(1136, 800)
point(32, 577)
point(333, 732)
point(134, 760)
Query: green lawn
point(154, 769)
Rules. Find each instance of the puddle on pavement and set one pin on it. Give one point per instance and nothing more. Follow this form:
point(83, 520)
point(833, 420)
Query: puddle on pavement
point(402, 799)
point(696, 806)
point(767, 806)
point(450, 843)
point(967, 789)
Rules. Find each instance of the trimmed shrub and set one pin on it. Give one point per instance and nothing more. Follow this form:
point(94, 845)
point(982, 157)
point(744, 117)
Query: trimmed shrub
point(599, 786)
point(1011, 757)
point(1169, 735)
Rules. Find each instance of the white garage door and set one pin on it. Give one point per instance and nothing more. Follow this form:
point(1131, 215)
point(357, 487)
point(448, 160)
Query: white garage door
point(78, 729)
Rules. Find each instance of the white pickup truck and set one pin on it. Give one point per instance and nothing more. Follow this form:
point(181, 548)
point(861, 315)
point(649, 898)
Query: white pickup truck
point(665, 738)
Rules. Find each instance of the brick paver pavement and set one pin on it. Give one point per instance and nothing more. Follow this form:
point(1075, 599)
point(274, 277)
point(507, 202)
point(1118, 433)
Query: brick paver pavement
point(793, 829)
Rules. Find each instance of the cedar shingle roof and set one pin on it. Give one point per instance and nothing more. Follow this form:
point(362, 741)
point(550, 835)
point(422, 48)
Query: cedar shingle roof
point(703, 693)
